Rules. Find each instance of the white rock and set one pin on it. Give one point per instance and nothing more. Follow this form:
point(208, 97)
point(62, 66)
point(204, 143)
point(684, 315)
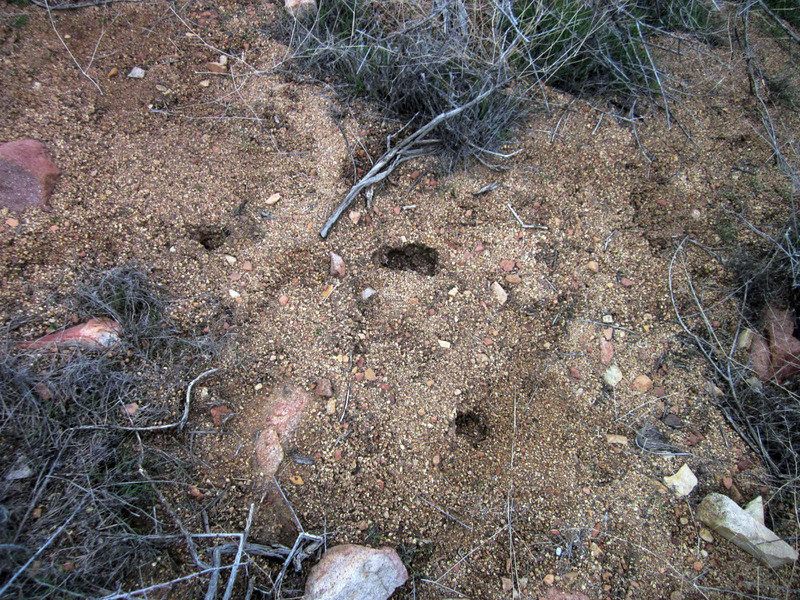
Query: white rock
point(726, 518)
point(350, 572)
point(230, 259)
point(137, 73)
point(755, 509)
point(234, 294)
point(499, 293)
point(444, 344)
point(612, 376)
point(683, 482)
point(367, 293)
point(301, 8)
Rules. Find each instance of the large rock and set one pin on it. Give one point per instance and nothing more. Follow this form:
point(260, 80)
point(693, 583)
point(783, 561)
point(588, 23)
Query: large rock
point(95, 334)
point(350, 572)
point(283, 413)
point(27, 175)
point(728, 519)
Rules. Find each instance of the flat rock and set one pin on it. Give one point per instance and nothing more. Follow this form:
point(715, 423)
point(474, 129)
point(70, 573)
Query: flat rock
point(726, 518)
point(95, 334)
point(283, 413)
point(27, 175)
point(606, 351)
point(350, 572)
point(499, 293)
point(683, 482)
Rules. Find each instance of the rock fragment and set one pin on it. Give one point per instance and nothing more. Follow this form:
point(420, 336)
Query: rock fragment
point(612, 376)
point(337, 265)
point(95, 334)
point(499, 293)
point(350, 572)
point(136, 73)
point(283, 413)
point(683, 482)
point(726, 518)
point(300, 9)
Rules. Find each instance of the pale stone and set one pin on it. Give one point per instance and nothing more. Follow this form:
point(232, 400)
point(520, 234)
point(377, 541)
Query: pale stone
point(499, 293)
point(350, 572)
point(755, 509)
point(612, 376)
point(683, 482)
point(726, 518)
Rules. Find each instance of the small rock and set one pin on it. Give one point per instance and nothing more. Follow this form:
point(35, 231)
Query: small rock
point(549, 579)
point(330, 406)
point(706, 535)
point(247, 266)
point(337, 265)
point(726, 518)
point(283, 300)
point(608, 333)
point(369, 374)
point(613, 438)
point(574, 372)
point(12, 222)
point(216, 68)
point(367, 293)
point(607, 319)
point(593, 266)
point(218, 414)
point(673, 421)
point(513, 278)
point(642, 383)
point(282, 415)
point(606, 351)
point(27, 175)
point(507, 265)
point(350, 572)
point(727, 482)
point(137, 73)
point(755, 508)
point(324, 388)
point(296, 479)
point(205, 83)
point(453, 292)
point(95, 334)
point(627, 282)
point(683, 482)
point(231, 260)
point(612, 376)
point(354, 216)
point(130, 409)
point(113, 72)
point(273, 199)
point(234, 294)
point(499, 293)
point(745, 339)
point(444, 344)
point(21, 471)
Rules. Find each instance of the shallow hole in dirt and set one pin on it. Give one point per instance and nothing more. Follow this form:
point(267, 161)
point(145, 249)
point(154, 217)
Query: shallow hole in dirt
point(470, 424)
point(210, 237)
point(411, 257)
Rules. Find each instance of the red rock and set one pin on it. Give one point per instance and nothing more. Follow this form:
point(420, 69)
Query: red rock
point(218, 414)
point(642, 383)
point(27, 175)
point(507, 265)
point(283, 300)
point(784, 347)
point(95, 334)
point(727, 482)
point(556, 594)
point(627, 282)
point(282, 414)
point(574, 373)
point(606, 351)
point(216, 68)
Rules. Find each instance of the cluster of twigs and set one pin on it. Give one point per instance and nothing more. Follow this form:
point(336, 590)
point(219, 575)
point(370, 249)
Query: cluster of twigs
point(73, 454)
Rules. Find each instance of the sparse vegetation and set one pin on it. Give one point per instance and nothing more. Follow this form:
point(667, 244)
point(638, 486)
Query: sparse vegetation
point(63, 420)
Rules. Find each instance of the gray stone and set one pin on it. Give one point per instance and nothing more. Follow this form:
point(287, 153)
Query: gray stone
point(350, 572)
point(756, 509)
point(726, 518)
point(137, 73)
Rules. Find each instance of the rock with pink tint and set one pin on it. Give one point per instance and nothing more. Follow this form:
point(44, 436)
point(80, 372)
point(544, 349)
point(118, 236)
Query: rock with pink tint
point(350, 572)
point(282, 414)
point(760, 358)
point(95, 334)
point(27, 175)
point(606, 351)
point(337, 265)
point(300, 9)
point(784, 347)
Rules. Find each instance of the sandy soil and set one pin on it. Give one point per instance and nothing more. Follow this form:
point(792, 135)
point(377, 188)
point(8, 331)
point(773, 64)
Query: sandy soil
point(480, 459)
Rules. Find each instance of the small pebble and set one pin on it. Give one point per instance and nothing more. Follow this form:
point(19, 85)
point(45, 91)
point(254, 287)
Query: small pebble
point(283, 300)
point(136, 73)
point(593, 266)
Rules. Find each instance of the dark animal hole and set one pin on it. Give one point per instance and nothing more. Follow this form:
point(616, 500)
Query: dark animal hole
point(411, 257)
point(210, 237)
point(470, 424)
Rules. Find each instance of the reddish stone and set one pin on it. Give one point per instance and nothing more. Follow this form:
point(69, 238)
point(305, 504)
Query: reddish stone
point(218, 414)
point(324, 388)
point(95, 334)
point(507, 265)
point(574, 373)
point(606, 351)
point(27, 175)
point(284, 412)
